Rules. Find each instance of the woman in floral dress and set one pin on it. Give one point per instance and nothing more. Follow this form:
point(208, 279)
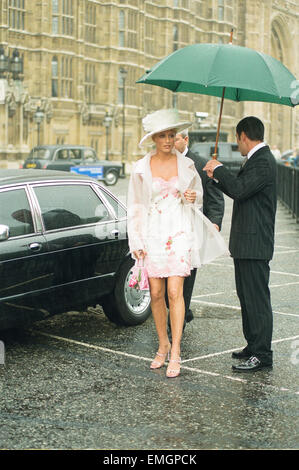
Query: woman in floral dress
point(167, 228)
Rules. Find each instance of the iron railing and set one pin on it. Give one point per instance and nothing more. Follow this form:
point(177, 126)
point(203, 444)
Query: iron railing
point(288, 188)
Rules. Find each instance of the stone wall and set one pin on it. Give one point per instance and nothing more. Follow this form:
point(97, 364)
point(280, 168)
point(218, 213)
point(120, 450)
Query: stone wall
point(73, 52)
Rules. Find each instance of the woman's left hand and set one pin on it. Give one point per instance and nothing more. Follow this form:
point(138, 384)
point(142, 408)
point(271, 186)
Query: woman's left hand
point(190, 195)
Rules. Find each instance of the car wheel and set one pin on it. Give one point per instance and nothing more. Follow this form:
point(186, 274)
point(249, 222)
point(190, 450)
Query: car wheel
point(111, 177)
point(125, 305)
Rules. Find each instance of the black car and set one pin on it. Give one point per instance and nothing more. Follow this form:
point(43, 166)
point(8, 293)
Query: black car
point(65, 157)
point(228, 154)
point(63, 246)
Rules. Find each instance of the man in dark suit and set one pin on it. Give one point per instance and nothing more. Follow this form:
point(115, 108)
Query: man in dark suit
point(252, 238)
point(213, 209)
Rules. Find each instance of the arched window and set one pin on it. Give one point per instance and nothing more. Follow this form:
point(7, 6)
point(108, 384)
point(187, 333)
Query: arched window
point(54, 76)
point(55, 17)
point(16, 14)
point(221, 10)
point(175, 37)
point(121, 29)
point(66, 77)
point(90, 83)
point(90, 22)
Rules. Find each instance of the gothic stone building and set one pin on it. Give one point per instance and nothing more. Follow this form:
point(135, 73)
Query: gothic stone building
point(74, 53)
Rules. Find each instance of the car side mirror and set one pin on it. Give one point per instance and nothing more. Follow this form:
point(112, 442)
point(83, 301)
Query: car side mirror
point(4, 232)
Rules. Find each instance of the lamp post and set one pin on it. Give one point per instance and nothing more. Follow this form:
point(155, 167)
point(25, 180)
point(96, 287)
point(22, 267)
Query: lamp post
point(38, 118)
point(13, 65)
point(4, 61)
point(11, 97)
point(107, 121)
point(123, 74)
point(16, 65)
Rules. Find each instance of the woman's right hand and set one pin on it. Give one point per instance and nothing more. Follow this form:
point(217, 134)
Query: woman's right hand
point(139, 254)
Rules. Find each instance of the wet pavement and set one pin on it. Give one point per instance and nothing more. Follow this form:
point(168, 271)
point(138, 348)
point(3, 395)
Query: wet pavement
point(77, 381)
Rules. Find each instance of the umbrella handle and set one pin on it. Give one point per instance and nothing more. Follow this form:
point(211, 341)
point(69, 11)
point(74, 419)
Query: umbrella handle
point(214, 156)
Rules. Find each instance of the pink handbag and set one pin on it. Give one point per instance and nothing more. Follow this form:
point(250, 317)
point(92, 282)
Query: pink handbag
point(139, 277)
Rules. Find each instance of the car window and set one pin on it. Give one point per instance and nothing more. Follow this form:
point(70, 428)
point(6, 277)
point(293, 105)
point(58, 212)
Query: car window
point(75, 154)
point(15, 212)
point(40, 154)
point(62, 154)
point(89, 155)
point(223, 152)
point(120, 212)
point(70, 205)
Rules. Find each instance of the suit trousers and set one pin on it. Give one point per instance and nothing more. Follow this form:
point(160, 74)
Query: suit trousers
point(188, 289)
point(252, 284)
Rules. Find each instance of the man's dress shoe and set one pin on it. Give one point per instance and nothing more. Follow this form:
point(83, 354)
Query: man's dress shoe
point(244, 354)
point(251, 365)
point(189, 316)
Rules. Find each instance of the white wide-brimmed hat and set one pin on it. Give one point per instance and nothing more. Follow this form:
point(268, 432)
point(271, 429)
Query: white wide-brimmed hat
point(161, 120)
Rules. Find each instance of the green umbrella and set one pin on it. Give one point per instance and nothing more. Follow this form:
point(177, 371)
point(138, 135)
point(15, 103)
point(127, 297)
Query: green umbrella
point(225, 70)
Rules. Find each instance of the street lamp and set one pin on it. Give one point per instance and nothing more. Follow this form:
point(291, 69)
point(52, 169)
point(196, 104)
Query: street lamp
point(38, 118)
point(13, 64)
point(4, 60)
point(123, 74)
point(16, 65)
point(107, 121)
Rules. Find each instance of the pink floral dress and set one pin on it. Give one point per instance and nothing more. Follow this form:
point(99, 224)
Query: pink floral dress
point(169, 239)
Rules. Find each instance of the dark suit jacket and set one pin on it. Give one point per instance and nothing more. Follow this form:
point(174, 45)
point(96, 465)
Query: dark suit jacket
point(255, 198)
point(213, 201)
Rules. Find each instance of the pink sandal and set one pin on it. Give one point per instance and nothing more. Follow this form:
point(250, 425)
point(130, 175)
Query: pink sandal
point(158, 364)
point(171, 373)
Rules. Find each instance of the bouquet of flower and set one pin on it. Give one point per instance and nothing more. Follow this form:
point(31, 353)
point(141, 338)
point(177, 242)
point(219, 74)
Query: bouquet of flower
point(139, 277)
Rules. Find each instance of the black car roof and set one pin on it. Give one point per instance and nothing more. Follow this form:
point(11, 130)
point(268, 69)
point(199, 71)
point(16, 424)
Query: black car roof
point(13, 176)
point(62, 146)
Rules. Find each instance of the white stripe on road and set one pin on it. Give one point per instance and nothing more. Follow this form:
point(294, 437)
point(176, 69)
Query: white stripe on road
point(191, 369)
point(271, 270)
point(286, 232)
point(285, 252)
point(284, 274)
point(234, 291)
point(285, 247)
point(214, 304)
point(291, 338)
point(283, 285)
point(91, 346)
point(207, 295)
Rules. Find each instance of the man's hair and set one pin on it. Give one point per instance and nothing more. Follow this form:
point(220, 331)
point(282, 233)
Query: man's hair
point(252, 127)
point(184, 133)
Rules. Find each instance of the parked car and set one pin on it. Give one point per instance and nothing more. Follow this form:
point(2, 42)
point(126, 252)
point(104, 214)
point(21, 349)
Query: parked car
point(63, 246)
point(101, 171)
point(228, 154)
point(64, 157)
point(286, 154)
point(291, 158)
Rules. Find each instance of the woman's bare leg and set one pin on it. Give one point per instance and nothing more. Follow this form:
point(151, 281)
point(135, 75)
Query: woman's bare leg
point(177, 315)
point(159, 311)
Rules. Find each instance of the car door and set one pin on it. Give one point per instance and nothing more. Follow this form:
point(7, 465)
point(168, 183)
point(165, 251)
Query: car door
point(86, 243)
point(23, 273)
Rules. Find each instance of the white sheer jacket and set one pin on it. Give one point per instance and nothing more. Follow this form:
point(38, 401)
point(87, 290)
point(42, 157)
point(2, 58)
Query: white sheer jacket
point(208, 243)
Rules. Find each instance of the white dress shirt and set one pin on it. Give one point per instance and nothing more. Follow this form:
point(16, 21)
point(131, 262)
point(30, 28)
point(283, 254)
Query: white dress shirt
point(185, 151)
point(255, 149)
